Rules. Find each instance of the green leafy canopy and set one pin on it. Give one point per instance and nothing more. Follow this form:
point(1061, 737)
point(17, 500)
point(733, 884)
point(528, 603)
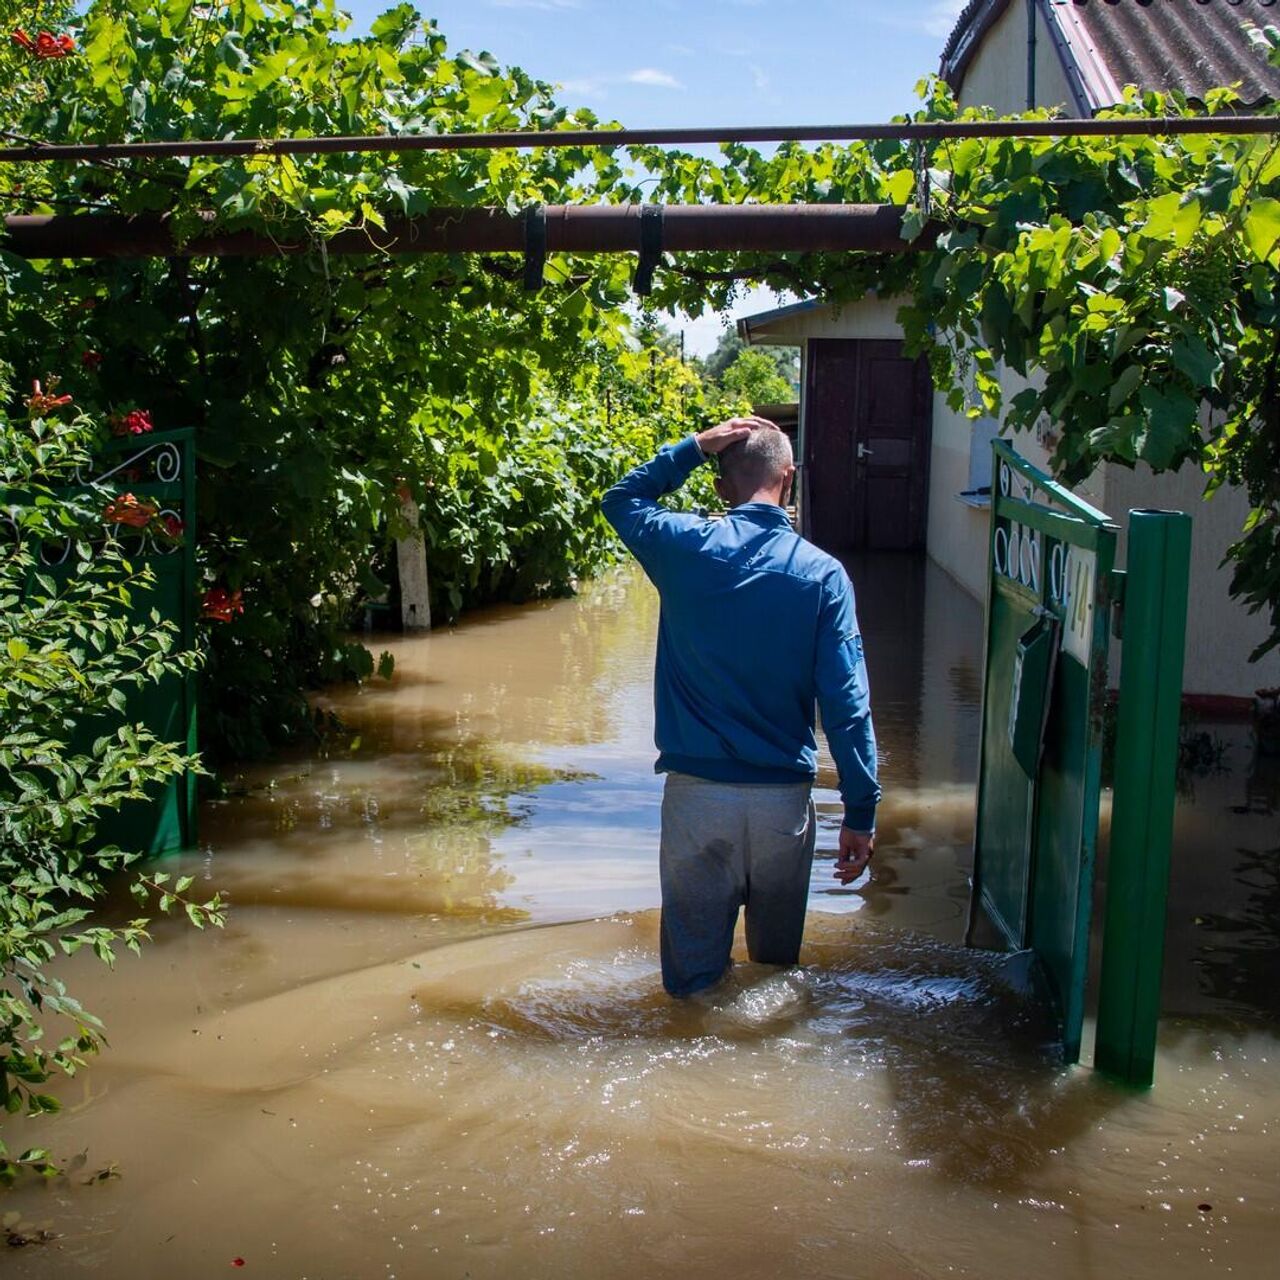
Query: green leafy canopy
point(1130, 279)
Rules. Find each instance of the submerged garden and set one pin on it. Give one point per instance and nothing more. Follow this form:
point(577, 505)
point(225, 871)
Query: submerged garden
point(1134, 276)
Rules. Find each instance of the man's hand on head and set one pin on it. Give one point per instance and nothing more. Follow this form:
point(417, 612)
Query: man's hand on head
point(716, 438)
point(856, 848)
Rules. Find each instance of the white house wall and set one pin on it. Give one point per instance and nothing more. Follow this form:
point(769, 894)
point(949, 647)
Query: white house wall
point(958, 533)
point(1220, 633)
point(958, 530)
point(997, 76)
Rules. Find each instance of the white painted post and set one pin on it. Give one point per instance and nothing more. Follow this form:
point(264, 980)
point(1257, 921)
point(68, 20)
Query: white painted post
point(411, 561)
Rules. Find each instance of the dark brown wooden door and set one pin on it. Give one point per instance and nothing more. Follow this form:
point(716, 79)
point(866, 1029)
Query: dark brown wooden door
point(867, 428)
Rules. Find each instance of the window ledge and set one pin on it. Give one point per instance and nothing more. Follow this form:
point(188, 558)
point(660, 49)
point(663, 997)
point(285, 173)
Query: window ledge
point(980, 499)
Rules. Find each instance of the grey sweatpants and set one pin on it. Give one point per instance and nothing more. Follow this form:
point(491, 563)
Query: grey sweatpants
point(724, 846)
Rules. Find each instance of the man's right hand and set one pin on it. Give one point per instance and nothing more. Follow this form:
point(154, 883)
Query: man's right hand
point(721, 437)
point(856, 848)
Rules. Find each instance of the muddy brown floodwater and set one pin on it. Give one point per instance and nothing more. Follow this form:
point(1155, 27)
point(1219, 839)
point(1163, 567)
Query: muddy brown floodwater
point(432, 1040)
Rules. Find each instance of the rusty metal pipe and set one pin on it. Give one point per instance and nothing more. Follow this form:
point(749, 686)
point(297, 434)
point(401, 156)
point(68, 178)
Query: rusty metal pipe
point(824, 228)
point(934, 130)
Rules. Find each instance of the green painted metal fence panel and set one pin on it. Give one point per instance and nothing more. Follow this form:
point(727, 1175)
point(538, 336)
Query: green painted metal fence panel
point(165, 466)
point(159, 467)
point(1051, 556)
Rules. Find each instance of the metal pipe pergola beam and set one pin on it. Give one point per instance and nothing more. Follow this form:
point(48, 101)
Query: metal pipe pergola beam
point(817, 228)
point(919, 131)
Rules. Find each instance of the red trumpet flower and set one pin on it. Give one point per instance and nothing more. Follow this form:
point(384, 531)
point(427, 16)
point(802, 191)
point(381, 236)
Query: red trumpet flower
point(41, 402)
point(137, 513)
point(46, 44)
point(136, 422)
point(222, 605)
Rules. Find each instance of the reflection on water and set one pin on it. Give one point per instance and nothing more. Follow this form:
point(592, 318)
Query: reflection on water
point(432, 1040)
point(1225, 910)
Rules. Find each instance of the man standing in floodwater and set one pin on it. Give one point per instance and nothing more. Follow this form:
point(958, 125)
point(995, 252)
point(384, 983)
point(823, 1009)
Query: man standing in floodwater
point(757, 625)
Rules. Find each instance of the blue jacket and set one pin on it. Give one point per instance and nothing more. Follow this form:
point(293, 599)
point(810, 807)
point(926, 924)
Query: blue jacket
point(757, 624)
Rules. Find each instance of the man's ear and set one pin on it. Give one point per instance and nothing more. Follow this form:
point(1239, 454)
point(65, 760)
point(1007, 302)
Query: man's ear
point(722, 489)
point(788, 479)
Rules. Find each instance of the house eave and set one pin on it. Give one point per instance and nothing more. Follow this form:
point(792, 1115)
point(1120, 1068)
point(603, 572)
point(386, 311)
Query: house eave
point(1090, 79)
point(975, 20)
point(752, 328)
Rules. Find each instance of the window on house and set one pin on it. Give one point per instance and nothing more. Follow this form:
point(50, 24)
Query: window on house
point(977, 493)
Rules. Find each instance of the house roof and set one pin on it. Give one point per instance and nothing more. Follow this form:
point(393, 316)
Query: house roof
point(785, 415)
point(753, 329)
point(1185, 45)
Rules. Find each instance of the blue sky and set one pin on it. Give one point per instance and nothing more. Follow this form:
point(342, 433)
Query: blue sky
point(671, 62)
point(709, 62)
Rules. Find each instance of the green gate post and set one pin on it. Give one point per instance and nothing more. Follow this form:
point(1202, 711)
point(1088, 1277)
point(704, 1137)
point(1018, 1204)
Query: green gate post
point(1155, 619)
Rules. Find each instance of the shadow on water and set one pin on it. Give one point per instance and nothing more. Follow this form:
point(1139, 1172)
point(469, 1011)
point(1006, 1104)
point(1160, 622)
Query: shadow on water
point(976, 1088)
point(972, 1059)
point(969, 1050)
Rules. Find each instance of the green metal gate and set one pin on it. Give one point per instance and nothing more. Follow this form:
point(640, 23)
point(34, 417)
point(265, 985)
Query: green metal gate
point(1049, 597)
point(1053, 591)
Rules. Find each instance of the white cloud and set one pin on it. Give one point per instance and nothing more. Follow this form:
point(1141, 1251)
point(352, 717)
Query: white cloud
point(652, 76)
point(759, 77)
point(597, 86)
point(583, 88)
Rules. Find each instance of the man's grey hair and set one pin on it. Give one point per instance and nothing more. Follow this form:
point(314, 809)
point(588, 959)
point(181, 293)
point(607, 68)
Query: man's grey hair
point(758, 461)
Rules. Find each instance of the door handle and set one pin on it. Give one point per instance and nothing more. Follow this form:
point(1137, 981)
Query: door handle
point(863, 451)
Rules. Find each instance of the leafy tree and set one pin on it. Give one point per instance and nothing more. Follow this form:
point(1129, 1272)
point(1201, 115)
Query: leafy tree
point(785, 359)
point(651, 333)
point(1138, 279)
point(754, 378)
point(725, 352)
point(322, 388)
